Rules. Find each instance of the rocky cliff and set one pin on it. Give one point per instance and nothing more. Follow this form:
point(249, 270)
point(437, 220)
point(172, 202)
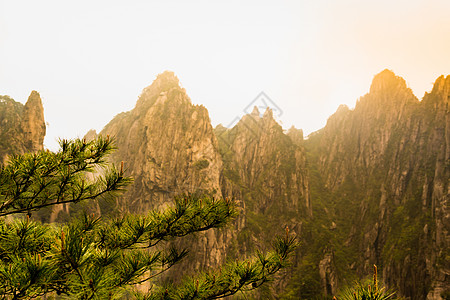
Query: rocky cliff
point(371, 187)
point(385, 169)
point(265, 169)
point(22, 126)
point(264, 166)
point(168, 146)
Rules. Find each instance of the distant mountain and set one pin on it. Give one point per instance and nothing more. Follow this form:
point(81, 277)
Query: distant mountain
point(266, 171)
point(22, 126)
point(371, 187)
point(168, 146)
point(384, 167)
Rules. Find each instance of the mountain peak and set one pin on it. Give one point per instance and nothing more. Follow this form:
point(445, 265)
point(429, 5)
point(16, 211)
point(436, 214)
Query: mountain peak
point(255, 111)
point(33, 123)
point(34, 99)
point(164, 82)
point(342, 109)
point(440, 94)
point(387, 80)
point(295, 134)
point(442, 84)
point(268, 114)
point(338, 116)
point(167, 76)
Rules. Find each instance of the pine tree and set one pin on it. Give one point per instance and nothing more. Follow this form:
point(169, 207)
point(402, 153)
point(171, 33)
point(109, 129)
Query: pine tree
point(92, 257)
point(370, 289)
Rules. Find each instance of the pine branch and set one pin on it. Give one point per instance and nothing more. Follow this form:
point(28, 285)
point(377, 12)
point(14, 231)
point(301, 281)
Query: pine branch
point(91, 257)
point(232, 278)
point(33, 181)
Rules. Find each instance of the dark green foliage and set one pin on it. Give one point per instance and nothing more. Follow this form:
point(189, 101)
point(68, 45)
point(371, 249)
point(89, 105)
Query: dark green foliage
point(365, 291)
point(10, 133)
point(233, 277)
point(305, 282)
point(368, 290)
point(32, 181)
point(93, 257)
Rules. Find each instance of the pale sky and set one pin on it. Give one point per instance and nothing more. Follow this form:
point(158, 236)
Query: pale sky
point(90, 60)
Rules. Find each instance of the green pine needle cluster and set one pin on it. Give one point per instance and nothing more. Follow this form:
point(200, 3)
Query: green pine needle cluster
point(33, 181)
point(93, 257)
point(238, 276)
point(368, 290)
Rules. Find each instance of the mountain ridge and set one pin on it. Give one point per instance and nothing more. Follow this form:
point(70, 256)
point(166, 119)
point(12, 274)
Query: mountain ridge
point(371, 187)
point(367, 170)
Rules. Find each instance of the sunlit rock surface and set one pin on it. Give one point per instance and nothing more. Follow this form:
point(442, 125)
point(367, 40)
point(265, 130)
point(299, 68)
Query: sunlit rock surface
point(22, 126)
point(385, 168)
point(371, 187)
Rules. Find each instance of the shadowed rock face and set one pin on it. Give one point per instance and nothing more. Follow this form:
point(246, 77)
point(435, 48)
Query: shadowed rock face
point(266, 170)
point(371, 187)
point(169, 147)
point(33, 124)
point(388, 160)
point(167, 144)
point(22, 126)
point(260, 158)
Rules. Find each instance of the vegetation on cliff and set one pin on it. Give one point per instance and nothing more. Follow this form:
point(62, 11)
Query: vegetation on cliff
point(93, 257)
point(380, 174)
point(22, 127)
point(371, 187)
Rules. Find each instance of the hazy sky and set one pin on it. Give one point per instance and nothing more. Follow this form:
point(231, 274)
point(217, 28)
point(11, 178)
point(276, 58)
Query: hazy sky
point(90, 60)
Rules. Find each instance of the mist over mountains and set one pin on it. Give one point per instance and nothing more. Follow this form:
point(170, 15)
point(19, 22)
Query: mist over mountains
point(371, 187)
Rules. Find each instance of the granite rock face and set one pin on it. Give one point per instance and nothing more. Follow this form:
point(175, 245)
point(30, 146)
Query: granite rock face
point(168, 146)
point(260, 158)
point(22, 126)
point(388, 159)
point(265, 170)
point(371, 187)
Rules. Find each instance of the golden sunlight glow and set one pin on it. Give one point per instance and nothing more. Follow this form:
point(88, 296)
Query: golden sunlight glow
point(90, 60)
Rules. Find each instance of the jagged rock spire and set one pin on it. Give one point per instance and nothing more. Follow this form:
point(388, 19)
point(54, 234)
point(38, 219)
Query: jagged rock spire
point(255, 112)
point(33, 124)
point(387, 80)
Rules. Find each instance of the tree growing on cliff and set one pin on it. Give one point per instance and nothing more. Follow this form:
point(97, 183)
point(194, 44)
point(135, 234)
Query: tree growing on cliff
point(371, 289)
point(91, 257)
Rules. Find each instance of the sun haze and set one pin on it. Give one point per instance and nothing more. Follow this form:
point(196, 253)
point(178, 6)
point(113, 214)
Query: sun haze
point(90, 60)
